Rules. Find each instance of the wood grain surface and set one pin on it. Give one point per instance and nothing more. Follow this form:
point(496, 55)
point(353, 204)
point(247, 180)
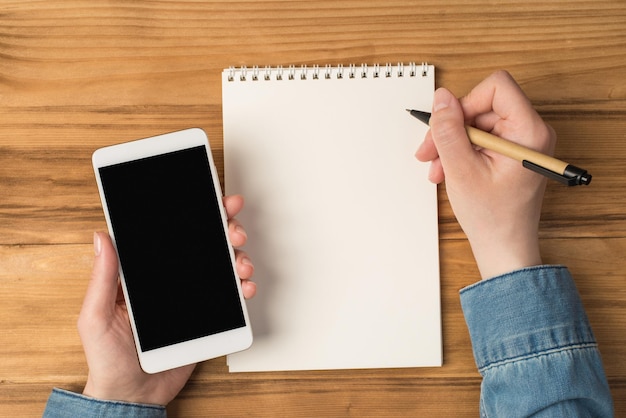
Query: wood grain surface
point(76, 75)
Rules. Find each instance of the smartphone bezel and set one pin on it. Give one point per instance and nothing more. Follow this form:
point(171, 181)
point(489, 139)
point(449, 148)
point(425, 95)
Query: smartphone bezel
point(199, 349)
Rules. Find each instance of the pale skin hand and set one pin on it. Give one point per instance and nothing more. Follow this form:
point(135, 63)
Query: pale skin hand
point(104, 328)
point(496, 200)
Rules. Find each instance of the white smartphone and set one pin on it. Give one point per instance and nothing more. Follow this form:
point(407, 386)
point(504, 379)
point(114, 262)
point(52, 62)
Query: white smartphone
point(163, 206)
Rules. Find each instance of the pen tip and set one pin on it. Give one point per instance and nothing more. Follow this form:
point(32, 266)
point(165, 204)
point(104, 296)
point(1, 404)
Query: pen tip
point(423, 116)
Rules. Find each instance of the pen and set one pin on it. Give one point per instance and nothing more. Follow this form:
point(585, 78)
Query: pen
point(533, 160)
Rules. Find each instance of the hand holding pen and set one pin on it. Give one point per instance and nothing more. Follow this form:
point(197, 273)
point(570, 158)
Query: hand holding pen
point(533, 160)
point(495, 199)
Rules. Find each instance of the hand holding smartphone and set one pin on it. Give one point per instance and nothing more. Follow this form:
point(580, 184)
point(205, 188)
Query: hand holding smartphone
point(163, 205)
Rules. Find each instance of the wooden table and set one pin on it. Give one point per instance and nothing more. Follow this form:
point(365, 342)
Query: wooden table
point(76, 75)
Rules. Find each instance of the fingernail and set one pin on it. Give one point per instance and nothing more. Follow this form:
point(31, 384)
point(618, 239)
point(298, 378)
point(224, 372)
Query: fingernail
point(240, 230)
point(441, 99)
point(97, 244)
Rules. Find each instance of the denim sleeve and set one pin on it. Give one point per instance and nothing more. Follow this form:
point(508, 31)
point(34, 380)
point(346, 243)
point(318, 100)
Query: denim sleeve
point(534, 346)
point(64, 404)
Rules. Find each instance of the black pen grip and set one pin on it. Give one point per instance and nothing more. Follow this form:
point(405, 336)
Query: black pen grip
point(572, 175)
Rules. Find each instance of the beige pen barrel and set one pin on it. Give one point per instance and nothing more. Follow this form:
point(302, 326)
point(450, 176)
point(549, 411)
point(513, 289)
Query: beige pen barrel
point(540, 163)
point(513, 150)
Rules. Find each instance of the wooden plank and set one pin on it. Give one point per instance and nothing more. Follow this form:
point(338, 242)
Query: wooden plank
point(342, 397)
point(49, 193)
point(42, 287)
point(301, 397)
point(120, 54)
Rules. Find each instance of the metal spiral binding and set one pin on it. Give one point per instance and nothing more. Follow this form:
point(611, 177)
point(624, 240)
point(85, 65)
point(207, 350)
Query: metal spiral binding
point(315, 72)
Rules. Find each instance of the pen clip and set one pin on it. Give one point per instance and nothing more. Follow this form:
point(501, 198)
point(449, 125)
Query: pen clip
point(576, 176)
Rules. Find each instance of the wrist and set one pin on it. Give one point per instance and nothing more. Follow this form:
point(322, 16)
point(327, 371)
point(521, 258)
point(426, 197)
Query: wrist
point(498, 257)
point(119, 393)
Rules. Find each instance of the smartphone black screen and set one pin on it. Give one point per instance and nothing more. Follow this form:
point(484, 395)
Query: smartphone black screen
point(172, 247)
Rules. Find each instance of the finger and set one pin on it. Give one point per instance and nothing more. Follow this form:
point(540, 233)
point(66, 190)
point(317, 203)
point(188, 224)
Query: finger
point(449, 135)
point(248, 288)
point(245, 268)
point(435, 172)
point(233, 205)
point(102, 291)
point(499, 93)
point(427, 150)
point(498, 105)
point(236, 233)
point(487, 121)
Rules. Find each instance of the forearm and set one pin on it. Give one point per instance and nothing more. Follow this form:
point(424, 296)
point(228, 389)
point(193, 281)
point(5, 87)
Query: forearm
point(534, 346)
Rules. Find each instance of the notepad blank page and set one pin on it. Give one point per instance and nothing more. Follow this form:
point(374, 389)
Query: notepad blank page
point(341, 219)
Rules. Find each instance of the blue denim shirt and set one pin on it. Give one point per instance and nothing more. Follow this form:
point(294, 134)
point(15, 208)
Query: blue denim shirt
point(534, 347)
point(64, 404)
point(532, 344)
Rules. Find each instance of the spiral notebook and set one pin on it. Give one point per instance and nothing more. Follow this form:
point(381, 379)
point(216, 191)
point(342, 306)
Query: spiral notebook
point(341, 219)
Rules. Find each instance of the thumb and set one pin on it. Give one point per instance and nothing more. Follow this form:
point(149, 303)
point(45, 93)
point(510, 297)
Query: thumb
point(101, 293)
point(448, 132)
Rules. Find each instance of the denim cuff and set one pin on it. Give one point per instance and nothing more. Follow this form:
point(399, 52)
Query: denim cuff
point(68, 404)
point(523, 313)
